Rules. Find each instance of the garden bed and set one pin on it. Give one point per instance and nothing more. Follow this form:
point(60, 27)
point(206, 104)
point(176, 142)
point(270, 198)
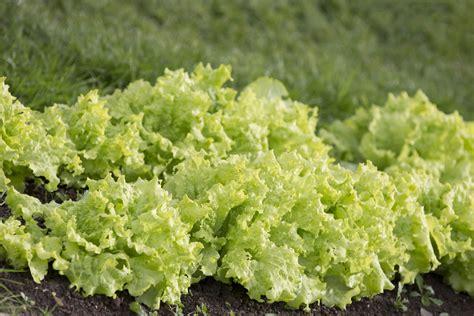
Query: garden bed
point(208, 296)
point(215, 298)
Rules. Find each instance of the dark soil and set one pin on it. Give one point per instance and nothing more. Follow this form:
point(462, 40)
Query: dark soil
point(221, 299)
point(209, 296)
point(62, 194)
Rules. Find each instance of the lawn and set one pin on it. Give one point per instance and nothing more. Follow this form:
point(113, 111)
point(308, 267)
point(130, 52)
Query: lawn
point(336, 55)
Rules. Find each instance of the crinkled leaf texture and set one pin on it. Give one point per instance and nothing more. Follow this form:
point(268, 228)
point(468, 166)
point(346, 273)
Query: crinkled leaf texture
point(186, 178)
point(117, 236)
point(429, 155)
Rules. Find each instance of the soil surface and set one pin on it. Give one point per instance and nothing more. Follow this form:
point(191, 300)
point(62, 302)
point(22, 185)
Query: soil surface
point(215, 298)
point(209, 296)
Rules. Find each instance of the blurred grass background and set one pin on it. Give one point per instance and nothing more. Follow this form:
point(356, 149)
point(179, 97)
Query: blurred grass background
point(336, 55)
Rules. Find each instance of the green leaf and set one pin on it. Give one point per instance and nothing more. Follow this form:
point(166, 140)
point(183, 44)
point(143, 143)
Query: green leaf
point(436, 301)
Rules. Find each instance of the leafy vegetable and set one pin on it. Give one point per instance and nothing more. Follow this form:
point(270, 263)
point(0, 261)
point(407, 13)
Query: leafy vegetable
point(118, 236)
point(187, 178)
point(433, 154)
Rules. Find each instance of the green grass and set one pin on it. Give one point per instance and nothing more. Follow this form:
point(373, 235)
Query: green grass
point(18, 303)
point(333, 54)
point(12, 303)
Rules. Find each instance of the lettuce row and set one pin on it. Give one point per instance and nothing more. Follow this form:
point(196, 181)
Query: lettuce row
point(186, 179)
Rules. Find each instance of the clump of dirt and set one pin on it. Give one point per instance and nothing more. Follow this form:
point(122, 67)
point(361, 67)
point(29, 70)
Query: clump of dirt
point(210, 296)
point(54, 294)
point(63, 193)
point(4, 211)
